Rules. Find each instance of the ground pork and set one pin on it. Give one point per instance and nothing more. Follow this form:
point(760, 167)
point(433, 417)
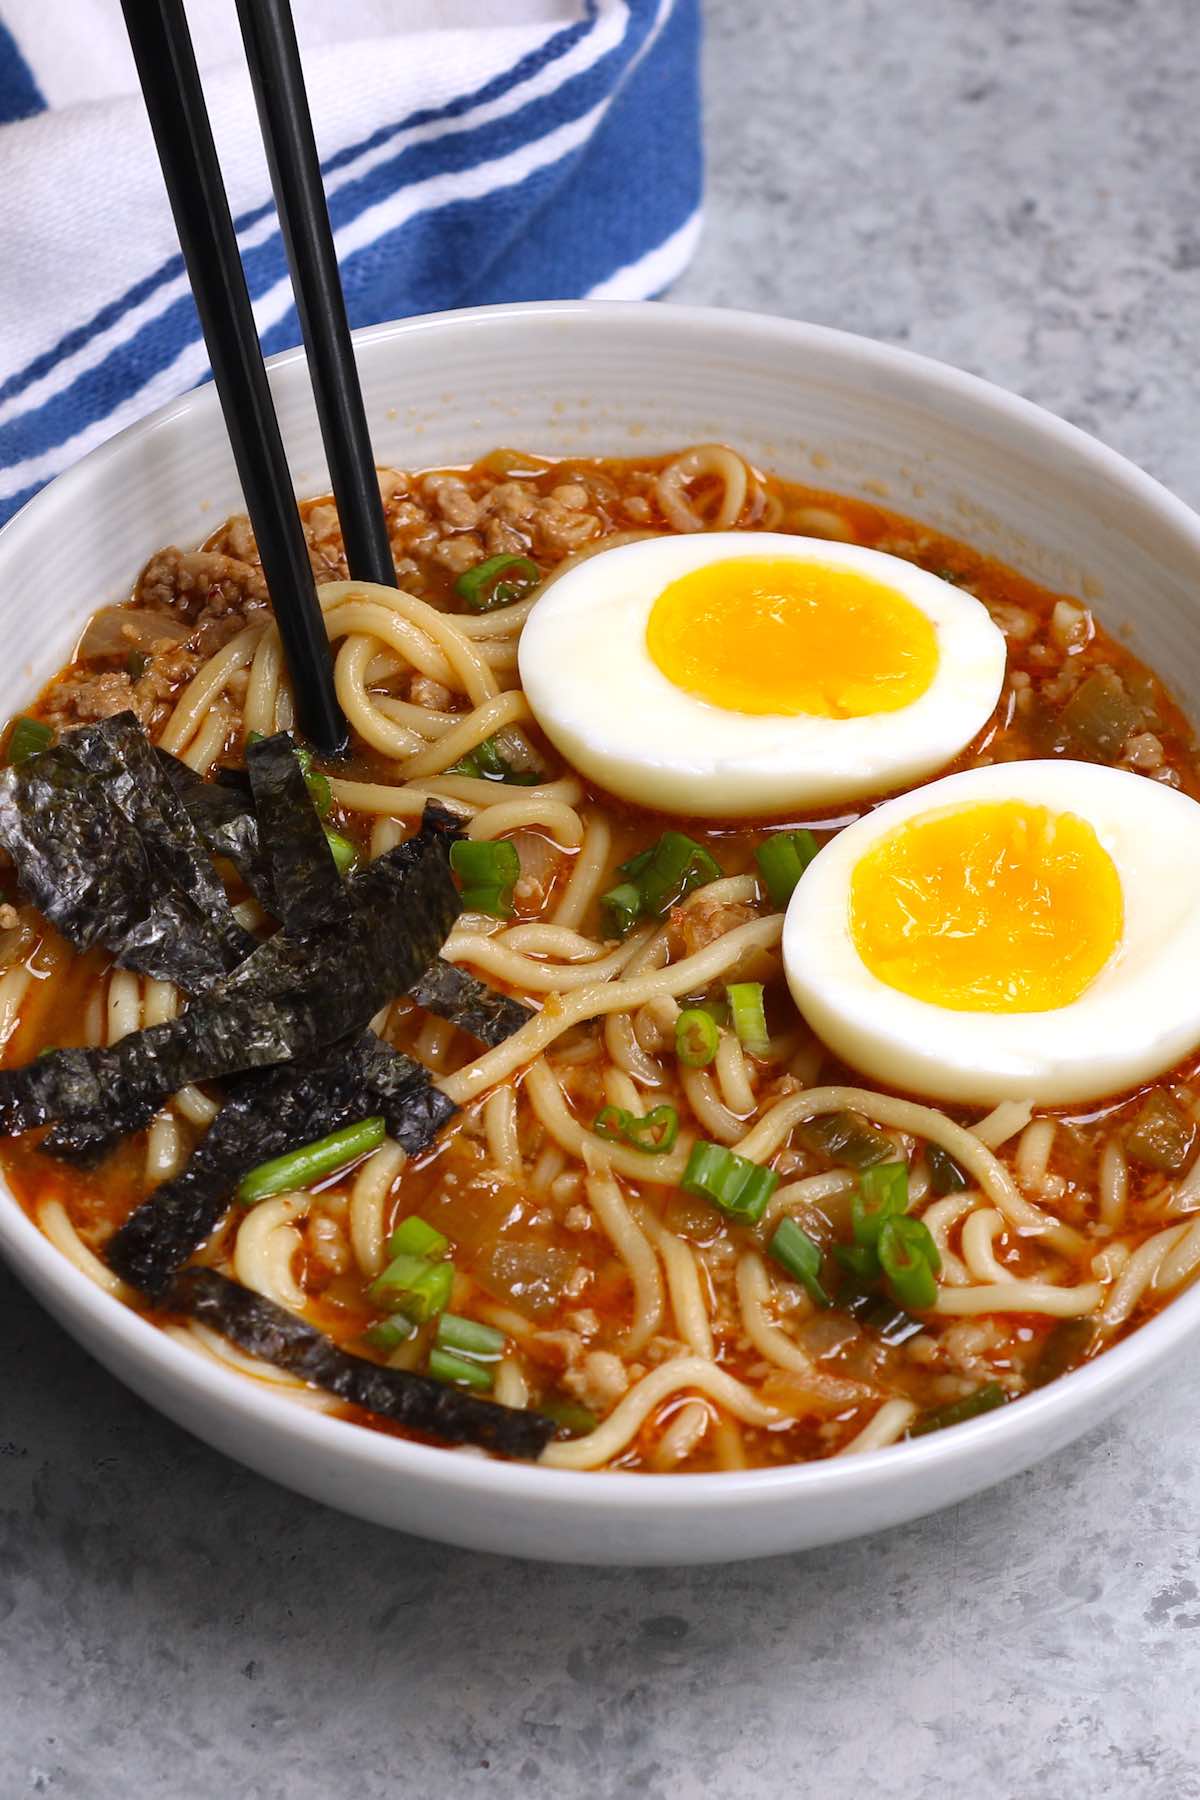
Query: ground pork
point(198, 583)
point(704, 921)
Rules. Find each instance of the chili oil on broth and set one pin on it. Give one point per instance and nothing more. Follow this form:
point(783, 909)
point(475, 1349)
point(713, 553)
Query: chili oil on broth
point(600, 1273)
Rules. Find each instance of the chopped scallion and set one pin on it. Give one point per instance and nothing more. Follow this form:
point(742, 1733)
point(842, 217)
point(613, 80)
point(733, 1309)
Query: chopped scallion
point(696, 1037)
point(620, 909)
point(879, 1314)
point(859, 1260)
point(486, 763)
point(740, 1188)
point(910, 1259)
point(389, 1334)
point(488, 870)
point(26, 738)
point(416, 1286)
point(317, 784)
point(848, 1138)
point(571, 1418)
point(801, 1257)
point(945, 1176)
point(344, 853)
point(497, 581)
point(782, 860)
point(309, 1163)
point(882, 1194)
point(1066, 1346)
point(468, 1338)
point(445, 1367)
point(677, 865)
point(655, 1133)
point(413, 1237)
point(749, 1018)
point(983, 1400)
point(656, 879)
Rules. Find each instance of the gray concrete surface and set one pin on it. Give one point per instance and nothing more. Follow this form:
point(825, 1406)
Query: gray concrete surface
point(1011, 186)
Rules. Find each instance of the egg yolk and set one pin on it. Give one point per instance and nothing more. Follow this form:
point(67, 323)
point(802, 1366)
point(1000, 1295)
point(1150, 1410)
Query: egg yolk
point(994, 907)
point(763, 635)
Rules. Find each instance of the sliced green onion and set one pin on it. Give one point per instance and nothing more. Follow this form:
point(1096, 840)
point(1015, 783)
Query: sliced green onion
point(696, 1037)
point(497, 581)
point(879, 1313)
point(909, 1258)
point(846, 1137)
point(320, 792)
point(486, 763)
point(656, 879)
point(416, 1286)
point(749, 1019)
point(413, 1237)
point(676, 865)
point(300, 1168)
point(620, 909)
point(1066, 1346)
point(344, 853)
point(389, 1334)
point(469, 1338)
point(654, 1133)
point(984, 1399)
point(398, 1277)
point(479, 862)
point(801, 1257)
point(945, 1176)
point(488, 869)
point(859, 1260)
point(26, 738)
point(782, 860)
point(569, 1416)
point(882, 1194)
point(497, 902)
point(136, 664)
point(740, 1188)
point(636, 866)
point(717, 1009)
point(445, 1367)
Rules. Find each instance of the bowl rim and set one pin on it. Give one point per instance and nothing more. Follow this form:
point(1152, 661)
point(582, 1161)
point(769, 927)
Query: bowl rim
point(1038, 1419)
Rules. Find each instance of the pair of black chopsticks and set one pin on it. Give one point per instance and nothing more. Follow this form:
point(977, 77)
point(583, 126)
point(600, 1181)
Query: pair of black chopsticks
point(170, 80)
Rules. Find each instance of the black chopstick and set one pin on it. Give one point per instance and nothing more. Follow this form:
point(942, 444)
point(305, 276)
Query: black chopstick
point(269, 35)
point(170, 80)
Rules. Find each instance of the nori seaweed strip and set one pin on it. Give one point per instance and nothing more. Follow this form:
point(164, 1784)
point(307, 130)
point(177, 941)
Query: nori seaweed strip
point(135, 783)
point(304, 877)
point(225, 821)
point(104, 848)
point(263, 1329)
point(454, 993)
point(402, 906)
point(118, 1088)
point(265, 1114)
point(288, 999)
point(87, 870)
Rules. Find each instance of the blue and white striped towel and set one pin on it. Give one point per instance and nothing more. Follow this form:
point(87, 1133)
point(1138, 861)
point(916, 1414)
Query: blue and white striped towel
point(473, 152)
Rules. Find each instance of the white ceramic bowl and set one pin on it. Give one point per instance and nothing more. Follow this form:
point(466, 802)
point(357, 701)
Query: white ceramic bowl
point(816, 405)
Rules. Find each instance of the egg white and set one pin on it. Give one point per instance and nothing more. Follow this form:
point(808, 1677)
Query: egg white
point(1139, 1016)
point(603, 702)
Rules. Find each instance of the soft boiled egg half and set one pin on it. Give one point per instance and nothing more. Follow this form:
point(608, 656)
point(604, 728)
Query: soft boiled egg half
point(735, 674)
point(1022, 931)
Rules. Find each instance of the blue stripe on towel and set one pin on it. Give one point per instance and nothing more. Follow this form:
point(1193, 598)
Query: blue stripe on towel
point(20, 96)
point(552, 51)
point(617, 148)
